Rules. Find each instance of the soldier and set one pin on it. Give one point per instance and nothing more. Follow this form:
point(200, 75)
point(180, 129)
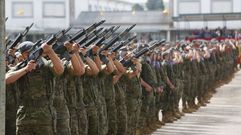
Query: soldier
point(120, 90)
point(106, 91)
point(149, 83)
point(131, 80)
point(34, 115)
point(65, 101)
point(90, 93)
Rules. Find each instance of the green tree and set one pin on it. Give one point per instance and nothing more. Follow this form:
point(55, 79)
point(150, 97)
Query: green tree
point(155, 5)
point(137, 7)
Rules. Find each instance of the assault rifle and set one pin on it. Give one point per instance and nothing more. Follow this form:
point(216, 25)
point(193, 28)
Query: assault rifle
point(152, 45)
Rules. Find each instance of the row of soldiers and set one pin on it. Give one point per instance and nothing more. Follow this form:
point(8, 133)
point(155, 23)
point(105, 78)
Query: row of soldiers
point(111, 92)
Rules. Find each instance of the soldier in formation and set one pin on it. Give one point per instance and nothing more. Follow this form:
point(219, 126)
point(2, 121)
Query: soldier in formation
point(97, 90)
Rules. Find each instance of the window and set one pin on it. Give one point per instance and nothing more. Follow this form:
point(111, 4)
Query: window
point(189, 7)
point(22, 9)
point(221, 6)
point(54, 9)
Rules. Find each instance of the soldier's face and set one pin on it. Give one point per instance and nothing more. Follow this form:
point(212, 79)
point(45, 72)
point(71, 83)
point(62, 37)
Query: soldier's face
point(25, 55)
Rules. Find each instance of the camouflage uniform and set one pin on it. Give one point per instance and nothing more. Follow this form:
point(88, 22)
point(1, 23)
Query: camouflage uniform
point(187, 85)
point(81, 108)
point(90, 88)
point(71, 98)
point(120, 90)
point(133, 102)
point(11, 109)
point(148, 99)
point(35, 114)
point(156, 65)
point(101, 105)
point(109, 93)
point(162, 78)
point(60, 105)
point(201, 84)
point(178, 82)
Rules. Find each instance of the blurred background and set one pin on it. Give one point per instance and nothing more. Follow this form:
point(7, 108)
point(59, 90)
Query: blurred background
point(156, 19)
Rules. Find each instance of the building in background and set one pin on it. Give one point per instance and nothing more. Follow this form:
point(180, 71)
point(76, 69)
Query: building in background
point(50, 16)
point(149, 24)
point(197, 14)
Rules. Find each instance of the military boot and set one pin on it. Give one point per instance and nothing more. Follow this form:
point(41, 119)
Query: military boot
point(167, 118)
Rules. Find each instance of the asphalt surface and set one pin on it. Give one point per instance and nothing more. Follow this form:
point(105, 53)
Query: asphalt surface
point(222, 116)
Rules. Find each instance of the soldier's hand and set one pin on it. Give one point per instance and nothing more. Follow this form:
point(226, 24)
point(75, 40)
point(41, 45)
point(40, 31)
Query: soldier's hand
point(46, 48)
point(159, 90)
point(105, 53)
point(112, 55)
point(135, 61)
point(95, 49)
point(11, 52)
point(68, 46)
point(172, 87)
point(148, 88)
point(76, 47)
point(31, 66)
point(83, 51)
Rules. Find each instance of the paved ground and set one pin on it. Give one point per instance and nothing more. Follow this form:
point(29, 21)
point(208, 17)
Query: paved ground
point(221, 117)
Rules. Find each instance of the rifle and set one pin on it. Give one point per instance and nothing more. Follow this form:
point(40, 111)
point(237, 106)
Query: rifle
point(25, 62)
point(38, 52)
point(152, 45)
point(101, 40)
point(116, 38)
point(19, 38)
point(53, 39)
point(106, 33)
point(117, 47)
point(61, 49)
point(87, 31)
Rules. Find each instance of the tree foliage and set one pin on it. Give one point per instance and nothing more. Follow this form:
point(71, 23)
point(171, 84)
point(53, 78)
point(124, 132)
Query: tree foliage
point(155, 5)
point(137, 7)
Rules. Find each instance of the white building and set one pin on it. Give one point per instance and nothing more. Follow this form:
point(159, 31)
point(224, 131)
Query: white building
point(45, 14)
point(196, 14)
point(101, 5)
point(52, 15)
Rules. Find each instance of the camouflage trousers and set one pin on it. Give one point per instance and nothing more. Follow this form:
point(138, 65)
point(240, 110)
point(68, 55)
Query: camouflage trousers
point(111, 113)
point(62, 117)
point(93, 119)
point(133, 112)
point(121, 110)
point(102, 113)
point(201, 87)
point(145, 108)
point(179, 92)
point(186, 96)
point(10, 128)
point(74, 127)
point(82, 119)
point(34, 130)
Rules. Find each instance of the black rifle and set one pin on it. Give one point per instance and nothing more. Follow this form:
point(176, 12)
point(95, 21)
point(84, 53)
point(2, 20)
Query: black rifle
point(35, 54)
point(105, 34)
point(108, 35)
point(116, 38)
point(18, 38)
point(121, 44)
point(85, 31)
point(25, 62)
point(52, 40)
point(152, 45)
point(62, 50)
